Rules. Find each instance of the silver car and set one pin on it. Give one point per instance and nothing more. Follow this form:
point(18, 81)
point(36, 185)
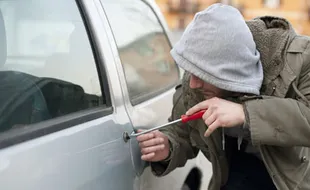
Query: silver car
point(75, 77)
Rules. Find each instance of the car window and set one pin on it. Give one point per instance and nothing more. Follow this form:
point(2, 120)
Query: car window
point(47, 67)
point(143, 48)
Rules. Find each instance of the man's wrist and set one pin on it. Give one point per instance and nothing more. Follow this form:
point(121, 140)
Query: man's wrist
point(170, 153)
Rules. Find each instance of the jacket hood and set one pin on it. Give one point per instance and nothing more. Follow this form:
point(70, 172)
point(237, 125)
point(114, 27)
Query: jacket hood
point(272, 36)
point(218, 47)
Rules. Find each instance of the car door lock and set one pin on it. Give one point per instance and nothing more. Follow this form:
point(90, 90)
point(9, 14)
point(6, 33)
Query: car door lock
point(126, 137)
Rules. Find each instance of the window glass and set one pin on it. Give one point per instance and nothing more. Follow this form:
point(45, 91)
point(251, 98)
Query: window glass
point(272, 3)
point(47, 68)
point(143, 48)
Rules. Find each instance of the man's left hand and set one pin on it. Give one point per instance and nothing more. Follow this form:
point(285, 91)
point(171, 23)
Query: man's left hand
point(219, 113)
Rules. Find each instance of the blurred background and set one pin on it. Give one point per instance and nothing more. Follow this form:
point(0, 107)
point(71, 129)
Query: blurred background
point(179, 13)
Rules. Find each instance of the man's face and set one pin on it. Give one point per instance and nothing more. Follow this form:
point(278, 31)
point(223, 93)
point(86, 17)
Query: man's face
point(208, 90)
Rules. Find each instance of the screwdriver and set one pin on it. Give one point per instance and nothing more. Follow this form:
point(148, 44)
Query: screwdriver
point(183, 119)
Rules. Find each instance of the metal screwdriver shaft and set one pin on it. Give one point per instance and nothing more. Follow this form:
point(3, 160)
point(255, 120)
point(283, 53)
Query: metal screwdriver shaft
point(183, 119)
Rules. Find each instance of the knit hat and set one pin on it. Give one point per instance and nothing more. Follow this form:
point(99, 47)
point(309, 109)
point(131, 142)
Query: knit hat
point(218, 47)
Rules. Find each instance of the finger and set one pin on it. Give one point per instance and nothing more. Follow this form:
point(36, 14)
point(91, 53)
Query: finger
point(157, 133)
point(148, 157)
point(151, 142)
point(207, 114)
point(151, 149)
point(145, 137)
point(210, 119)
point(200, 106)
point(212, 128)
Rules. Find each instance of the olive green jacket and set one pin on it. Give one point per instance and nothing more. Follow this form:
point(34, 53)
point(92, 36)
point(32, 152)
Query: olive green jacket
point(278, 120)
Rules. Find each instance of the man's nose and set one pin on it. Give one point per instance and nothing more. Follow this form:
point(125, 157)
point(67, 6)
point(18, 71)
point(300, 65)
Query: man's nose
point(195, 82)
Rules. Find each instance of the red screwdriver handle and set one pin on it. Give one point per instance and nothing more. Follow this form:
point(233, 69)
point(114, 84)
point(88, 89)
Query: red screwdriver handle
point(197, 115)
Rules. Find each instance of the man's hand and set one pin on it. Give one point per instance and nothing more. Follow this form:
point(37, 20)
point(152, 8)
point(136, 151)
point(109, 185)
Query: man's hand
point(154, 146)
point(220, 113)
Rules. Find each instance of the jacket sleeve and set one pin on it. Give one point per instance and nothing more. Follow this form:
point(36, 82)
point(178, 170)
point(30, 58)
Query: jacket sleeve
point(282, 121)
point(179, 137)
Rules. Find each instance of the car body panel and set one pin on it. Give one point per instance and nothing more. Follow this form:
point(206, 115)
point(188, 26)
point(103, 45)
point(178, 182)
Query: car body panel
point(86, 156)
point(70, 159)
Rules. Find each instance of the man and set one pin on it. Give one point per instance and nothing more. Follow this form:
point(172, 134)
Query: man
point(253, 80)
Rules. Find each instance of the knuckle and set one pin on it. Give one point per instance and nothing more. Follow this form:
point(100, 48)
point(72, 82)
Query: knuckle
point(198, 106)
point(139, 138)
point(159, 147)
point(150, 156)
point(163, 146)
point(221, 121)
point(149, 136)
point(211, 129)
point(214, 107)
point(214, 125)
point(157, 141)
point(216, 99)
point(149, 150)
point(190, 111)
point(148, 144)
point(216, 114)
point(207, 122)
point(205, 117)
point(144, 144)
point(204, 103)
point(145, 150)
point(153, 142)
point(156, 148)
point(224, 124)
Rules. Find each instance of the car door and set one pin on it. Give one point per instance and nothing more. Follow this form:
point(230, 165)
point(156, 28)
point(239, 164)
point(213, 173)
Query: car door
point(148, 72)
point(62, 110)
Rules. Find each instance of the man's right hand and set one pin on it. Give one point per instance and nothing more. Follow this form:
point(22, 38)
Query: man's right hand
point(154, 146)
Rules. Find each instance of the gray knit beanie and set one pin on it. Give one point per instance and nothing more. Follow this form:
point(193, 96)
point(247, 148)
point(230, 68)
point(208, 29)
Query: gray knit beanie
point(218, 47)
